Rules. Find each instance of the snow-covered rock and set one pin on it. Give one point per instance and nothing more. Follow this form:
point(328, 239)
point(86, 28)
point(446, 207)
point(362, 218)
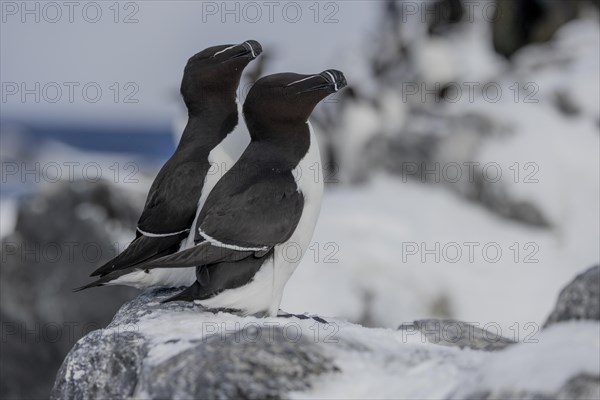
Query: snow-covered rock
point(179, 350)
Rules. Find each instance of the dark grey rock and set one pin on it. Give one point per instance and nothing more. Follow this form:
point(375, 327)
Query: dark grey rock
point(504, 395)
point(105, 365)
point(449, 332)
point(580, 387)
point(517, 24)
point(580, 299)
point(62, 233)
point(265, 368)
point(583, 387)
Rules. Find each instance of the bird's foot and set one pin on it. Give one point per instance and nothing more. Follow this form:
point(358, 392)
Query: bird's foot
point(283, 314)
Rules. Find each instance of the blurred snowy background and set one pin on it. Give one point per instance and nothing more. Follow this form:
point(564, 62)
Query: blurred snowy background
point(462, 162)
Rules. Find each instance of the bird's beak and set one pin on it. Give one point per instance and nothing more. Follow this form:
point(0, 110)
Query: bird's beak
point(250, 49)
point(330, 80)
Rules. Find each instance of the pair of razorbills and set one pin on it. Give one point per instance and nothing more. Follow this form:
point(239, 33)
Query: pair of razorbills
point(226, 239)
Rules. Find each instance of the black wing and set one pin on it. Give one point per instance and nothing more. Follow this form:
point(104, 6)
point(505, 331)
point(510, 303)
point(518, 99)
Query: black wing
point(143, 248)
point(260, 212)
point(170, 210)
point(241, 217)
point(173, 198)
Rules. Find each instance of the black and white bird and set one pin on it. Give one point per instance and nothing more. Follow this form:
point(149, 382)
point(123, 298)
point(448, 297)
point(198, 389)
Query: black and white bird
point(209, 90)
point(258, 221)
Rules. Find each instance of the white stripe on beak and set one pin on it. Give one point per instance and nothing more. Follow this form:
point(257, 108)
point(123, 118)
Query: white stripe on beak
point(333, 79)
point(251, 49)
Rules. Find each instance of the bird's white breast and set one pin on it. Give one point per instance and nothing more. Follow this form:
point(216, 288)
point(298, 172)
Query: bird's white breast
point(220, 163)
point(221, 159)
point(172, 277)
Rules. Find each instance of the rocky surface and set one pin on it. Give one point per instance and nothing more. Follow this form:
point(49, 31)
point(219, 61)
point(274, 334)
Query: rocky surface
point(199, 356)
point(580, 299)
point(180, 350)
point(580, 387)
point(449, 332)
point(61, 234)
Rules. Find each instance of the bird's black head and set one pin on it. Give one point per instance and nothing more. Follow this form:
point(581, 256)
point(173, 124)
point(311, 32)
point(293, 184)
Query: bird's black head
point(216, 72)
point(289, 97)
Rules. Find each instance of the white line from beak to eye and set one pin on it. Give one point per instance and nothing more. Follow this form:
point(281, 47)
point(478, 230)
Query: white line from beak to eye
point(224, 50)
point(302, 80)
point(333, 79)
point(251, 49)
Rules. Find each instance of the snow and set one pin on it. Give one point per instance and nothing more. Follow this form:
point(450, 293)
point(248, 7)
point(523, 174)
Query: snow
point(432, 60)
point(359, 124)
point(564, 350)
point(397, 369)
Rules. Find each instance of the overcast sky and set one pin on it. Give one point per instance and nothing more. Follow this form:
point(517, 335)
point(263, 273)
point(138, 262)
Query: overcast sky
point(59, 46)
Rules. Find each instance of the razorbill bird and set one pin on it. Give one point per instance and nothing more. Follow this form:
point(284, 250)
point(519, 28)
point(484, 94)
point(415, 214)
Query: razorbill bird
point(258, 221)
point(209, 90)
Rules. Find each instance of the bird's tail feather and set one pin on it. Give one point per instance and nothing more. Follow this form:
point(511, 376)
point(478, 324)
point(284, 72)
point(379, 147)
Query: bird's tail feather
point(106, 279)
point(142, 249)
point(89, 285)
